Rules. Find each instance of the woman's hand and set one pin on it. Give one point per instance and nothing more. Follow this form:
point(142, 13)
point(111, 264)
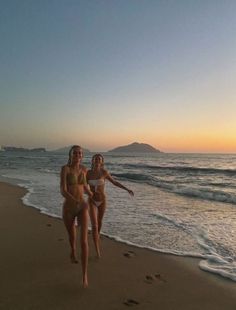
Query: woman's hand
point(130, 192)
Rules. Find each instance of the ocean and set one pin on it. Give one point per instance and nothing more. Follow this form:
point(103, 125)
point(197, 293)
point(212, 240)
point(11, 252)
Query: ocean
point(184, 204)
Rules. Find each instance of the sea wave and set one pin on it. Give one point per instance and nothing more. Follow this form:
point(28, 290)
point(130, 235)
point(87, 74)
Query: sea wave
point(207, 193)
point(230, 172)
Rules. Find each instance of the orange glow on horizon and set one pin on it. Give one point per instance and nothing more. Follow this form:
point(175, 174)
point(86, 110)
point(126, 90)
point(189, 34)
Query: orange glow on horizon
point(198, 144)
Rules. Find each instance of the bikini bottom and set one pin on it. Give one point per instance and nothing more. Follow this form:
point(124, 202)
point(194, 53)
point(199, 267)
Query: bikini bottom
point(75, 209)
point(97, 203)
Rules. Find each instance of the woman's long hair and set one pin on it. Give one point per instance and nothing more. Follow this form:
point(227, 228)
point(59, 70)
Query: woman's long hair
point(71, 153)
point(93, 160)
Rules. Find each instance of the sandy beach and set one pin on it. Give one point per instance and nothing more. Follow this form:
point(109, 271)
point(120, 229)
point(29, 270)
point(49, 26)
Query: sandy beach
point(36, 272)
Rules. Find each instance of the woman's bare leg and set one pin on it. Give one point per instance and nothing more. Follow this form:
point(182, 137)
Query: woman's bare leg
point(101, 211)
point(93, 217)
point(83, 217)
point(69, 222)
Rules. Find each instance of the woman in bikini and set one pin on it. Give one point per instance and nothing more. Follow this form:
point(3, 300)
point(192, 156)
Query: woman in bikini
point(73, 183)
point(96, 177)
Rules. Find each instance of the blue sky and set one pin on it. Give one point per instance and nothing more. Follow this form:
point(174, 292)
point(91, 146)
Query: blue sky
point(108, 73)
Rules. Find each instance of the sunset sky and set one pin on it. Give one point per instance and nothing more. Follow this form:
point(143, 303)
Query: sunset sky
point(108, 73)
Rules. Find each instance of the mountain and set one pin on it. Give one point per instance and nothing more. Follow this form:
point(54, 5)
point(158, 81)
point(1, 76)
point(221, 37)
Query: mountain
point(136, 148)
point(65, 150)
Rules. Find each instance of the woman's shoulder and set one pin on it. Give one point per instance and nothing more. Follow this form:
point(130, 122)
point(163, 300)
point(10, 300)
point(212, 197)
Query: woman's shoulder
point(65, 168)
point(89, 171)
point(105, 172)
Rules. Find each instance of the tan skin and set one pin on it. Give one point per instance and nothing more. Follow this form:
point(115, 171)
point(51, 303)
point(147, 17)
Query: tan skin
point(75, 206)
point(97, 212)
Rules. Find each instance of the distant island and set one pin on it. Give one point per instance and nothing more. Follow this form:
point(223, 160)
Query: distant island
point(22, 149)
point(130, 148)
point(136, 148)
point(65, 150)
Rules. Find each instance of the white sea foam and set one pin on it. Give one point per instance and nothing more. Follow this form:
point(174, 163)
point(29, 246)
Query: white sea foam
point(219, 266)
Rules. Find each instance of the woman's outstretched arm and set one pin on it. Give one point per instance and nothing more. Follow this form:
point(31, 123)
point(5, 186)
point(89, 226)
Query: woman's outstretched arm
point(118, 184)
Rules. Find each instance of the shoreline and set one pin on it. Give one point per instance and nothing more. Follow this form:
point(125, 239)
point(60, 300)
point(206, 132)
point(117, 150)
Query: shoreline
point(201, 258)
point(37, 274)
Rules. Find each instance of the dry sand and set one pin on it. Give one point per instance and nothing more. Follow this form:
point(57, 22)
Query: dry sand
point(36, 273)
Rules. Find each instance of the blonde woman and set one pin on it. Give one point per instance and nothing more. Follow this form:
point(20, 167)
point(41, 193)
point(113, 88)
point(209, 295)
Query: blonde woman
point(96, 178)
point(73, 184)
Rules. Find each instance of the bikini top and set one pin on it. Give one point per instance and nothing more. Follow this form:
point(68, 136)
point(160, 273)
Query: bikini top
point(96, 183)
point(73, 179)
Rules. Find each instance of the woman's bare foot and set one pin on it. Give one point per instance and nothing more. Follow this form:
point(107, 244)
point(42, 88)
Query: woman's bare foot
point(85, 281)
point(98, 252)
point(73, 259)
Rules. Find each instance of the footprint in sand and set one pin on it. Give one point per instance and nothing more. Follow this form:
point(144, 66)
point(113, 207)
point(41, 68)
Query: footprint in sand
point(60, 239)
point(49, 225)
point(129, 254)
point(151, 278)
point(131, 302)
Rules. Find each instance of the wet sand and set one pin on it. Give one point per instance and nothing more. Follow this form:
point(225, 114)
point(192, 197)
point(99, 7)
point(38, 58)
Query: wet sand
point(36, 272)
